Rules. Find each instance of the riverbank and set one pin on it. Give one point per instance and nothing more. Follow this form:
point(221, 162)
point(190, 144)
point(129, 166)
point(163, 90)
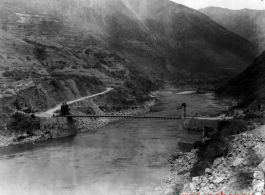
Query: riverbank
point(15, 138)
point(239, 170)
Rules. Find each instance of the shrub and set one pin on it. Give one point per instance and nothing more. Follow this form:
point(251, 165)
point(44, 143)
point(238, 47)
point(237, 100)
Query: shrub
point(74, 67)
point(40, 53)
point(86, 67)
point(22, 123)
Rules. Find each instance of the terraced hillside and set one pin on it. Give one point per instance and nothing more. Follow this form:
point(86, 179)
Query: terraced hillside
point(55, 51)
point(164, 39)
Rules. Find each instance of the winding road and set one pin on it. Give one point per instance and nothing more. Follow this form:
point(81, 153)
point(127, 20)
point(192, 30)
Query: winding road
point(51, 111)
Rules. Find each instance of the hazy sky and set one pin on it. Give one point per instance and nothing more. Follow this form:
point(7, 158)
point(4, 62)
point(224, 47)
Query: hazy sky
point(230, 4)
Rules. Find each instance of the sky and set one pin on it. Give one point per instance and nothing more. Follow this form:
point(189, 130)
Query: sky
point(230, 4)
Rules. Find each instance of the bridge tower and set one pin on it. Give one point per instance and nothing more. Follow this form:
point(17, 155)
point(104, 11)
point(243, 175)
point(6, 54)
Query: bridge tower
point(183, 105)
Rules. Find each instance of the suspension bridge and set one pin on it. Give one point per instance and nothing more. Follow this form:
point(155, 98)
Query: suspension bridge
point(182, 106)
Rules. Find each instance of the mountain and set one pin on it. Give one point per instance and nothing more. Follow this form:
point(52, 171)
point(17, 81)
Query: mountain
point(55, 51)
point(249, 85)
point(164, 40)
point(247, 23)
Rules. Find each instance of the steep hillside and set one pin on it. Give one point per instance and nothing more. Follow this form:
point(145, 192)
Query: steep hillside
point(249, 85)
point(163, 39)
point(247, 23)
point(40, 74)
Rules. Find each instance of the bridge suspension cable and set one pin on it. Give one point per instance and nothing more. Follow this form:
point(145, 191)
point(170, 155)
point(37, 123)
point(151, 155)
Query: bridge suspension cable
point(124, 116)
point(183, 105)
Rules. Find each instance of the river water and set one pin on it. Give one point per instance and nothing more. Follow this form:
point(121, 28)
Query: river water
point(126, 157)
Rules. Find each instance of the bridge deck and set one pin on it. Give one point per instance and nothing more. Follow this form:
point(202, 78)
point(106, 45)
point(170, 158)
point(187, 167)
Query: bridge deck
point(121, 116)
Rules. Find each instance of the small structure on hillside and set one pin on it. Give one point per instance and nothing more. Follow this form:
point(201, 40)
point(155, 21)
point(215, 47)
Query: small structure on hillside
point(26, 109)
point(238, 112)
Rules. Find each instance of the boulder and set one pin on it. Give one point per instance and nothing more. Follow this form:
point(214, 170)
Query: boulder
point(257, 184)
point(204, 189)
point(218, 179)
point(258, 175)
point(211, 178)
point(186, 189)
point(245, 163)
point(237, 161)
point(192, 187)
point(196, 179)
point(169, 191)
point(207, 170)
point(211, 186)
point(205, 179)
point(261, 166)
point(259, 189)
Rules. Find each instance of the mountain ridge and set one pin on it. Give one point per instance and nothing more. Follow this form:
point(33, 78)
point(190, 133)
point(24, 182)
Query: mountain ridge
point(247, 23)
point(248, 86)
point(177, 41)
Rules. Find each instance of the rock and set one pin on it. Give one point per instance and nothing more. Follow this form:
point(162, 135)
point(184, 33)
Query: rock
point(204, 189)
point(219, 180)
point(211, 186)
point(205, 179)
point(243, 155)
point(216, 162)
point(171, 191)
point(186, 189)
point(207, 170)
point(237, 161)
point(258, 193)
point(211, 178)
point(258, 175)
point(220, 167)
point(261, 166)
point(196, 179)
point(258, 184)
point(192, 187)
point(230, 155)
point(259, 189)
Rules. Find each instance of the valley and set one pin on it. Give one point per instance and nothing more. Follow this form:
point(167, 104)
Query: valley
point(130, 57)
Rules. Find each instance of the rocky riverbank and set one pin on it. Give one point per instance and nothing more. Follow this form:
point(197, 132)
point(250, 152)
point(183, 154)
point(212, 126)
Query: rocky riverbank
point(14, 139)
point(240, 171)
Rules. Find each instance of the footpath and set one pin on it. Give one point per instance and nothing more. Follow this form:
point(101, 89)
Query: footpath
point(50, 112)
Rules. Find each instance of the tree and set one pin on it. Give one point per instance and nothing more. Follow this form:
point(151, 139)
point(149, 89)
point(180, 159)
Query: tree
point(41, 55)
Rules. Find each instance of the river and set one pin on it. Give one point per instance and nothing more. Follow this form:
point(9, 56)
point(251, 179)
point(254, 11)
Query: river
point(126, 157)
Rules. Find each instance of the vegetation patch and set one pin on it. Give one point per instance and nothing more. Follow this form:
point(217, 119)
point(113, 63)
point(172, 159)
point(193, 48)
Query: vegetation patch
point(21, 123)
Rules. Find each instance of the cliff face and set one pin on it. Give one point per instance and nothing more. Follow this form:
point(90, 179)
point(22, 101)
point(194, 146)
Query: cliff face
point(249, 85)
point(246, 22)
